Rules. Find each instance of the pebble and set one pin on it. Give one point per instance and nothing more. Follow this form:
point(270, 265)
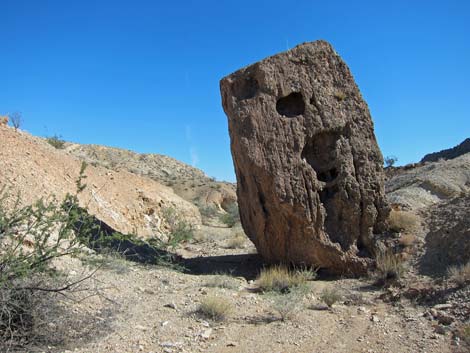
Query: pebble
point(206, 333)
point(443, 306)
point(171, 305)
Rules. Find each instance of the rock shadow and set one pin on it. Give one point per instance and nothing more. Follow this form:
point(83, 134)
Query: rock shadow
point(101, 237)
point(247, 266)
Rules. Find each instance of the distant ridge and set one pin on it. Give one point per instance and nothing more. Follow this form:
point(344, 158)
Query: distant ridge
point(449, 153)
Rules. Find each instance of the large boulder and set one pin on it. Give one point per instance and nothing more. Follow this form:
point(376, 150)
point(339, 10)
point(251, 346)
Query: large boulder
point(309, 171)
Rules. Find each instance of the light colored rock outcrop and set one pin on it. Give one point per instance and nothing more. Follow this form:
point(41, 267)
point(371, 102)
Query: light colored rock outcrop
point(424, 185)
point(309, 171)
point(32, 168)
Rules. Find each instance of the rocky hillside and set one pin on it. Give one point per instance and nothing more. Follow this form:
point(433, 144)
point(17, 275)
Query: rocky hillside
point(188, 182)
point(439, 192)
point(449, 153)
point(32, 168)
point(423, 185)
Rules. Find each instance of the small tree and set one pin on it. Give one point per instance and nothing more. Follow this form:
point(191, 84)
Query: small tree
point(16, 120)
point(390, 161)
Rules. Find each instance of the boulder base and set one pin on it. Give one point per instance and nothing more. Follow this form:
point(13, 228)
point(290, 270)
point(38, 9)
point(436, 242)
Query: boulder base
point(310, 182)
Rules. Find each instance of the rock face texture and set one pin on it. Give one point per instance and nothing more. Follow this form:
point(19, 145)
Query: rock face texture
point(448, 239)
point(309, 171)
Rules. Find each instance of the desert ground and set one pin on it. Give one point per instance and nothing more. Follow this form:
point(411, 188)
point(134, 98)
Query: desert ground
point(128, 306)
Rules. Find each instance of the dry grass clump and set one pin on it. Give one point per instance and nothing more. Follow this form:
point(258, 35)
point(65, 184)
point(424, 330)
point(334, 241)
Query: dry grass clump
point(281, 279)
point(215, 308)
point(237, 241)
point(402, 221)
point(330, 296)
point(389, 267)
point(460, 275)
point(221, 281)
point(287, 305)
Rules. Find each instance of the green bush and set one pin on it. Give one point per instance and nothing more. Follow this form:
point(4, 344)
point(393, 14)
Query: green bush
point(56, 141)
point(31, 239)
point(390, 161)
point(180, 230)
point(208, 211)
point(232, 216)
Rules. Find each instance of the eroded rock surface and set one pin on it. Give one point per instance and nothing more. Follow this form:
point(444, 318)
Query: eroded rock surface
point(309, 171)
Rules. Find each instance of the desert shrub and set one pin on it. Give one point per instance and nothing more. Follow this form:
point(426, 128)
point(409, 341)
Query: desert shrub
point(236, 241)
point(56, 141)
point(32, 238)
point(287, 305)
point(232, 216)
point(16, 120)
point(221, 280)
point(460, 275)
point(389, 267)
point(180, 230)
point(307, 273)
point(208, 211)
point(390, 161)
point(402, 221)
point(215, 308)
point(339, 95)
point(280, 279)
point(330, 296)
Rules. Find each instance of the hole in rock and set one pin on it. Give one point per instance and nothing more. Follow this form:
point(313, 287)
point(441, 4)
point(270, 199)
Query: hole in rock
point(245, 88)
point(320, 152)
point(291, 105)
point(328, 175)
point(362, 250)
point(327, 193)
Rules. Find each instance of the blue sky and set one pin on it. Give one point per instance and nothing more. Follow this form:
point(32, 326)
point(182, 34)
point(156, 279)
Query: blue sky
point(144, 75)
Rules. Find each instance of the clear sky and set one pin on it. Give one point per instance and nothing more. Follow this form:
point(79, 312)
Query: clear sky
point(144, 75)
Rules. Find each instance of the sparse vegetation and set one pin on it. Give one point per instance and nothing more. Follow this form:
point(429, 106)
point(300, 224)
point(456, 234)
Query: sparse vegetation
point(215, 308)
point(390, 161)
point(208, 211)
point(16, 120)
point(232, 216)
point(32, 238)
point(389, 267)
point(330, 296)
point(287, 305)
point(221, 280)
point(236, 241)
point(339, 95)
point(402, 221)
point(280, 279)
point(179, 229)
point(56, 141)
point(460, 275)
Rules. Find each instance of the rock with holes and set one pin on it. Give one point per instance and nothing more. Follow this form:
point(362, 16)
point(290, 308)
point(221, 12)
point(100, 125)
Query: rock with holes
point(309, 171)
